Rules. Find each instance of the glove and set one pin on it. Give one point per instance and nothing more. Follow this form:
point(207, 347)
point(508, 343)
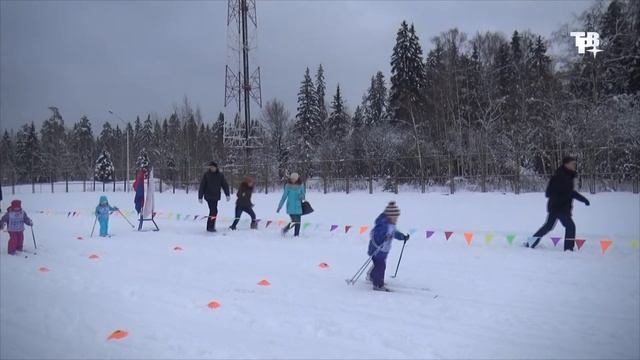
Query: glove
point(200, 201)
point(228, 197)
point(115, 208)
point(278, 211)
point(586, 202)
point(406, 237)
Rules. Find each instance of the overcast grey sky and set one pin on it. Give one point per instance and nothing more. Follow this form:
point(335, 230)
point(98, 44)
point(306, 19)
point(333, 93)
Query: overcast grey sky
point(138, 57)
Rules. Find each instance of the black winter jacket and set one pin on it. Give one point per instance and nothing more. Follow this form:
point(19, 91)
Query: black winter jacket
point(244, 195)
point(211, 184)
point(561, 193)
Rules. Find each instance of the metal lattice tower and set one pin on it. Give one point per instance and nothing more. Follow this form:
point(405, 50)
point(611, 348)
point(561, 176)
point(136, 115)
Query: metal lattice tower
point(241, 84)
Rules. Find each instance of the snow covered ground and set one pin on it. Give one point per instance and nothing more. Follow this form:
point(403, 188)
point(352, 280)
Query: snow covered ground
point(484, 300)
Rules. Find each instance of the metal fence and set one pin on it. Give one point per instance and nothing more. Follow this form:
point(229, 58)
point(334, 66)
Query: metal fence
point(442, 173)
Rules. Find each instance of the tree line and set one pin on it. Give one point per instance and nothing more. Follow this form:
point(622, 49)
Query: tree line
point(485, 105)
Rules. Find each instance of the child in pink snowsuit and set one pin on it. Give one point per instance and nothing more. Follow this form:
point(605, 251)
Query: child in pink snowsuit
point(15, 218)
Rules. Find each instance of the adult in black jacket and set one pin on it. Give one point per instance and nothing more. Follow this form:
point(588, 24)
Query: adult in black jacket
point(561, 193)
point(212, 182)
point(243, 204)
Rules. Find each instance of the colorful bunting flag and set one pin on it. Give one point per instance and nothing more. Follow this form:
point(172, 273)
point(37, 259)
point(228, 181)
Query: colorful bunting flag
point(333, 227)
point(429, 233)
point(510, 238)
point(579, 242)
point(363, 229)
point(447, 234)
point(280, 223)
point(306, 225)
point(268, 223)
point(468, 236)
point(347, 228)
point(634, 244)
point(605, 244)
point(488, 238)
point(555, 240)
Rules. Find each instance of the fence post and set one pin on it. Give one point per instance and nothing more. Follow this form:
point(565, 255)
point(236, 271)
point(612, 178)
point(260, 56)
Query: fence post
point(66, 182)
point(452, 187)
point(348, 177)
point(84, 184)
point(33, 185)
point(324, 183)
point(114, 181)
point(395, 178)
point(592, 184)
point(517, 182)
point(370, 177)
point(484, 171)
point(13, 184)
point(51, 179)
point(94, 184)
point(266, 178)
point(160, 180)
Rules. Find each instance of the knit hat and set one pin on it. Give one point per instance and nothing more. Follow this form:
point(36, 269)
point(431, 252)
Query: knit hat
point(392, 209)
point(567, 159)
point(248, 180)
point(294, 176)
point(15, 205)
point(212, 163)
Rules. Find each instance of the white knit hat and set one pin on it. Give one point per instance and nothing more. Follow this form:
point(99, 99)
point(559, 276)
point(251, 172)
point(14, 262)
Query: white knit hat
point(294, 176)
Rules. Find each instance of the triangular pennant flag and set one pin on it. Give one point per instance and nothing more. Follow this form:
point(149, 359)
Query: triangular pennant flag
point(195, 217)
point(429, 233)
point(510, 238)
point(555, 240)
point(634, 244)
point(306, 225)
point(117, 335)
point(74, 213)
point(333, 227)
point(94, 257)
point(264, 283)
point(177, 248)
point(605, 244)
point(347, 228)
point(79, 238)
point(280, 222)
point(579, 242)
point(69, 214)
point(488, 238)
point(323, 265)
point(363, 229)
point(268, 223)
point(468, 236)
point(177, 216)
point(447, 234)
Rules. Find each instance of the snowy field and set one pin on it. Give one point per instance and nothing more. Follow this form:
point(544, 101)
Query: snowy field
point(488, 299)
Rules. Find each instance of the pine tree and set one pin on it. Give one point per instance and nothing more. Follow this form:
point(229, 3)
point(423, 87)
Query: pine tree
point(107, 138)
point(320, 95)
point(338, 124)
point(28, 153)
point(7, 154)
point(143, 163)
point(307, 126)
point(53, 142)
point(407, 73)
point(375, 104)
point(83, 146)
point(104, 169)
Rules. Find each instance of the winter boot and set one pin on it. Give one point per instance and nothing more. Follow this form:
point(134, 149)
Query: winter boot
point(286, 229)
point(381, 288)
point(254, 225)
point(232, 228)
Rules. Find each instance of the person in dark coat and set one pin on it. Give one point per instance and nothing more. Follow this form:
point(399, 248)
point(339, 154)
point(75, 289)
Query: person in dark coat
point(561, 193)
point(212, 181)
point(243, 204)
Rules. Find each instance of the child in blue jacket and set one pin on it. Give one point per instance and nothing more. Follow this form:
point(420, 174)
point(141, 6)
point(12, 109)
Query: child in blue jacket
point(382, 235)
point(294, 195)
point(103, 210)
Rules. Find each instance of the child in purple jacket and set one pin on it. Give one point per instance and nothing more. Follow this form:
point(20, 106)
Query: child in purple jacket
point(15, 219)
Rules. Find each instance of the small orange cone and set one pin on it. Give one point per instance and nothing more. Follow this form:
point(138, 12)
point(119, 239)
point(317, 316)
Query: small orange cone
point(117, 335)
point(214, 305)
point(323, 265)
point(177, 248)
point(363, 229)
point(43, 269)
point(264, 283)
point(94, 257)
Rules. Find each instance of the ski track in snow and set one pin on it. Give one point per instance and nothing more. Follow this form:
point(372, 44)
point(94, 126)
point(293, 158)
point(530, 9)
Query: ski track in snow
point(491, 301)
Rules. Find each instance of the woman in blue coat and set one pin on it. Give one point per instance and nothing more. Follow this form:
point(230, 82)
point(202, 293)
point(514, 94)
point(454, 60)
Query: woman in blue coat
point(294, 195)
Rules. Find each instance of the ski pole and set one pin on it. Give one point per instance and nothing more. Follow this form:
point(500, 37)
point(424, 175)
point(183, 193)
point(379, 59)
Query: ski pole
point(34, 237)
point(400, 259)
point(363, 268)
point(133, 226)
point(94, 226)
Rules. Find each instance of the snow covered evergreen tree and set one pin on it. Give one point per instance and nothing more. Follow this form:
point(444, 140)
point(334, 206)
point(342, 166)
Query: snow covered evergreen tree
point(375, 101)
point(54, 144)
point(83, 144)
point(142, 162)
point(28, 153)
point(407, 73)
point(104, 169)
point(307, 128)
point(338, 124)
point(321, 88)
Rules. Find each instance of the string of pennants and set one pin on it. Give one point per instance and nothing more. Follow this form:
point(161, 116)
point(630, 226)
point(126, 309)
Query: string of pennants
point(469, 236)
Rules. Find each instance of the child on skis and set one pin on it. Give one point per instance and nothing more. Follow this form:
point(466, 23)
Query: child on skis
point(243, 204)
point(103, 210)
point(15, 219)
point(382, 235)
point(294, 196)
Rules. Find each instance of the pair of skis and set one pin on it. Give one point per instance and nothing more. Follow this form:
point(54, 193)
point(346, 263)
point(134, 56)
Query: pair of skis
point(123, 216)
